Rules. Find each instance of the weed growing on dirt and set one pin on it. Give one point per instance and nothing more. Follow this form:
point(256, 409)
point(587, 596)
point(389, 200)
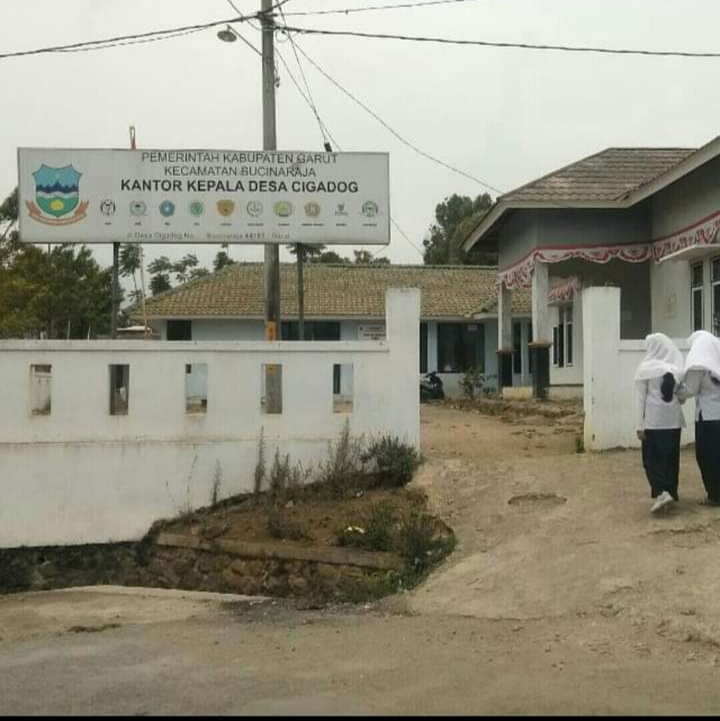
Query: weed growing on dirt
point(392, 461)
point(343, 471)
point(371, 586)
point(216, 485)
point(260, 465)
point(418, 544)
point(375, 532)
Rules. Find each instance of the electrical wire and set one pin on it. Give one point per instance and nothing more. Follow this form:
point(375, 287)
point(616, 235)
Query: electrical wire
point(487, 43)
point(313, 104)
point(324, 130)
point(242, 16)
point(132, 42)
point(111, 42)
point(394, 132)
point(347, 11)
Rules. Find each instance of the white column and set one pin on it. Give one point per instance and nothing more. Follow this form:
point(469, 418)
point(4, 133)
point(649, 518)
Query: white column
point(504, 318)
point(542, 329)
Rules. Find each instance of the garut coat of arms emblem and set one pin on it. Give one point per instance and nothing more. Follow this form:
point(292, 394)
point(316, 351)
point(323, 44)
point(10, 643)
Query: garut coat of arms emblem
point(57, 196)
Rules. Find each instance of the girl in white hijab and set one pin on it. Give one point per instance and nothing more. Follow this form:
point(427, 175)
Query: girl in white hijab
point(702, 379)
point(660, 417)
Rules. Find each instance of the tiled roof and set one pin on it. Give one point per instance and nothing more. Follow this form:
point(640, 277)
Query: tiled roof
point(607, 175)
point(335, 291)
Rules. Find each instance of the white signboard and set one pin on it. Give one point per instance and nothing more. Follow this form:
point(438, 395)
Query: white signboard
point(203, 196)
point(375, 331)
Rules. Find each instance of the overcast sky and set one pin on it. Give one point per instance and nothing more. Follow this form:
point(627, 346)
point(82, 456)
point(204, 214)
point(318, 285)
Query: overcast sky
point(505, 116)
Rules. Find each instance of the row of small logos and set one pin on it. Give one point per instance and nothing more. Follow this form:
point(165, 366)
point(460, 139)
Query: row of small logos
point(226, 208)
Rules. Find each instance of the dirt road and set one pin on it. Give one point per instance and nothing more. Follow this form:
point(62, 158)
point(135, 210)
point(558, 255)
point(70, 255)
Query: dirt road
point(564, 596)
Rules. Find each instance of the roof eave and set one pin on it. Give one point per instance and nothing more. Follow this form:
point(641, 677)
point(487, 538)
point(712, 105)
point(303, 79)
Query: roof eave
point(502, 206)
point(695, 160)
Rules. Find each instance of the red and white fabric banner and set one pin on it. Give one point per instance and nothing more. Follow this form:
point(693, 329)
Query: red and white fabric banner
point(563, 290)
point(703, 232)
point(520, 274)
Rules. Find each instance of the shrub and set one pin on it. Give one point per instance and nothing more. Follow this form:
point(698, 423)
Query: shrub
point(343, 471)
point(472, 382)
point(418, 545)
point(392, 461)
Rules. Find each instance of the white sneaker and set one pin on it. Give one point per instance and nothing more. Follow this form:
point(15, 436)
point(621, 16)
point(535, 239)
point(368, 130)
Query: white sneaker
point(661, 502)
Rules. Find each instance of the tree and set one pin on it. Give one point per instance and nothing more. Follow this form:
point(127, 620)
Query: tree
point(330, 256)
point(59, 292)
point(160, 270)
point(184, 270)
point(455, 217)
point(365, 257)
point(130, 261)
point(222, 260)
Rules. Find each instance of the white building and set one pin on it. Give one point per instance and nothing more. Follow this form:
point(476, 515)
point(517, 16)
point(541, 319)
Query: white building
point(458, 319)
point(644, 220)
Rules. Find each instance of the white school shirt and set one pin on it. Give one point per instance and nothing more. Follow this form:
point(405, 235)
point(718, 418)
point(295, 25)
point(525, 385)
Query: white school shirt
point(653, 413)
point(698, 383)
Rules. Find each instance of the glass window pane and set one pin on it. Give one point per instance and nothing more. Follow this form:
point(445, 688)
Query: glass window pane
point(179, 330)
point(716, 308)
point(697, 310)
point(715, 269)
point(697, 275)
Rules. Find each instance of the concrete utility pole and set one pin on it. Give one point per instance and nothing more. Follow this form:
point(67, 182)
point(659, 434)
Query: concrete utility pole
point(272, 250)
point(273, 378)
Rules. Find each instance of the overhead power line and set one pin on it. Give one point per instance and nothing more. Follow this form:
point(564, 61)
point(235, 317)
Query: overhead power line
point(110, 42)
point(131, 42)
point(487, 43)
point(401, 6)
point(410, 145)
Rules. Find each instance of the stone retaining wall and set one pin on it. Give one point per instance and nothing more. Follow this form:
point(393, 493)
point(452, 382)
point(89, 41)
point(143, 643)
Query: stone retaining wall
point(192, 569)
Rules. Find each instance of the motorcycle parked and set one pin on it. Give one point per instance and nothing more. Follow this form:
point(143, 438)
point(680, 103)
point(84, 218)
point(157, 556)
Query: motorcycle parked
point(431, 387)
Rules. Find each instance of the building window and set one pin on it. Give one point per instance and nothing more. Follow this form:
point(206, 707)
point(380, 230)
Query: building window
point(563, 338)
point(314, 330)
point(697, 284)
point(179, 330)
point(461, 346)
point(423, 347)
point(716, 296)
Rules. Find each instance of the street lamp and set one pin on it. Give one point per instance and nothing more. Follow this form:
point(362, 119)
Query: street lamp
point(227, 35)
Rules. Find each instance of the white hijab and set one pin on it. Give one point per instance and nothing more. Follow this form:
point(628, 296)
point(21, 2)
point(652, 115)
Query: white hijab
point(661, 356)
point(704, 353)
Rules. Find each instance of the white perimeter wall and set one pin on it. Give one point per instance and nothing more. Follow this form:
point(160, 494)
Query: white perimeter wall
point(80, 475)
point(609, 369)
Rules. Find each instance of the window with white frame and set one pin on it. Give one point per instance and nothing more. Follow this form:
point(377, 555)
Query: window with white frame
point(697, 287)
point(715, 284)
point(563, 338)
